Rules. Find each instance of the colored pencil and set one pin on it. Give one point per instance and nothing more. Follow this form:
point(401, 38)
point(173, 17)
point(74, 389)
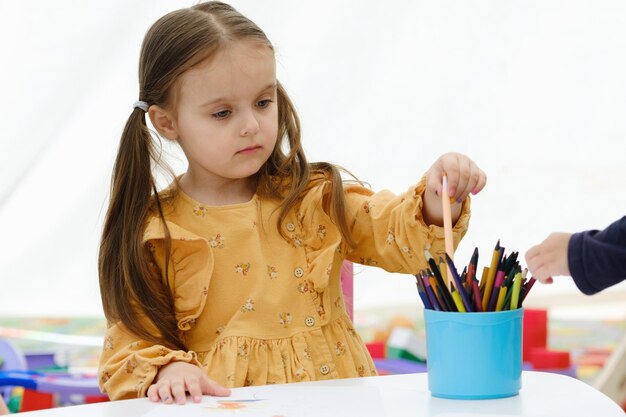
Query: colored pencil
point(457, 281)
point(491, 275)
point(447, 221)
point(440, 281)
point(429, 293)
point(457, 299)
point(422, 292)
point(516, 288)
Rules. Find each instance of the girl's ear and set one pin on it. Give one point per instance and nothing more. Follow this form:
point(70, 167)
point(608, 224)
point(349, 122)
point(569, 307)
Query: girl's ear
point(163, 122)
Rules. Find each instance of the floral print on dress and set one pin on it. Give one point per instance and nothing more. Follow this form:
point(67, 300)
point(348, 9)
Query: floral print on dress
point(284, 319)
point(199, 211)
point(105, 377)
point(272, 272)
point(407, 251)
point(108, 343)
point(352, 332)
point(321, 231)
point(296, 240)
point(242, 268)
point(361, 370)
point(390, 237)
point(243, 350)
point(367, 261)
point(340, 349)
point(130, 366)
point(303, 287)
point(299, 373)
point(247, 306)
point(217, 241)
point(307, 354)
point(367, 207)
point(219, 330)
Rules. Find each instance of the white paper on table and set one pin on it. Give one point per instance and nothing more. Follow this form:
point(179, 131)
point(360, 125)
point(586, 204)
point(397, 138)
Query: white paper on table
point(282, 401)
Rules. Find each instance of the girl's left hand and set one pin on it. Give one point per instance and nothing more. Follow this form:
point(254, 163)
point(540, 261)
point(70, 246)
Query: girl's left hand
point(464, 178)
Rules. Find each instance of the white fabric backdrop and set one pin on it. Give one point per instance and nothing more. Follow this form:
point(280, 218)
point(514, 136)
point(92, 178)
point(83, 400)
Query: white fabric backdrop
point(533, 90)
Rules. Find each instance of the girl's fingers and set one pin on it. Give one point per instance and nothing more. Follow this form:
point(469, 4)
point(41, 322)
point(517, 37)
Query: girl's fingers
point(465, 167)
point(194, 388)
point(474, 179)
point(452, 170)
point(153, 393)
point(480, 184)
point(178, 391)
point(164, 392)
point(213, 388)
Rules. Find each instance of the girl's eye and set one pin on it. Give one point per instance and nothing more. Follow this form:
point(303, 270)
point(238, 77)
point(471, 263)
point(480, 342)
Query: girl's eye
point(221, 114)
point(264, 103)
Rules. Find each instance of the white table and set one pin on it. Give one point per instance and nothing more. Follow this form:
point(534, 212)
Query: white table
point(542, 395)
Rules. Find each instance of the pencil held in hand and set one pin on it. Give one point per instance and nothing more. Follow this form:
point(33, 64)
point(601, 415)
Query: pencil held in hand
point(447, 221)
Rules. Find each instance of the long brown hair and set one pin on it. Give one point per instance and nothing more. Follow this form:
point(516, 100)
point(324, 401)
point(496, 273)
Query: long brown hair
point(175, 43)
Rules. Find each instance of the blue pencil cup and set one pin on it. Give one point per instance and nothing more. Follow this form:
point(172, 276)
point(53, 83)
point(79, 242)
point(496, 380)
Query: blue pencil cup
point(472, 356)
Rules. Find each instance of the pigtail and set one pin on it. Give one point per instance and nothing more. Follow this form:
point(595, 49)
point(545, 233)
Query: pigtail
point(129, 287)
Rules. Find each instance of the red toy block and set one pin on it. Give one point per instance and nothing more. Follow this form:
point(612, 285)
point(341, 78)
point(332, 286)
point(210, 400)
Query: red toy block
point(376, 349)
point(33, 400)
point(535, 333)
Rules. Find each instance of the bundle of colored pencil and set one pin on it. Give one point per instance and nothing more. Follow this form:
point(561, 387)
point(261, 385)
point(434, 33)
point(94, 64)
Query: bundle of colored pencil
point(502, 286)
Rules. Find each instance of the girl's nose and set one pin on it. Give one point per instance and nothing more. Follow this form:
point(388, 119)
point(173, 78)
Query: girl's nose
point(250, 125)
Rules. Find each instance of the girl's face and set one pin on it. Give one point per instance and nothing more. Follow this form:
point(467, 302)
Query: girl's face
point(226, 115)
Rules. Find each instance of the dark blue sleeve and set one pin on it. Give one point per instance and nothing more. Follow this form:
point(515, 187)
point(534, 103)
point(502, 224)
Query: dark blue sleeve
point(597, 259)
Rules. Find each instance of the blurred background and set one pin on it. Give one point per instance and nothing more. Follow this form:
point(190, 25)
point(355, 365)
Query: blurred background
point(534, 91)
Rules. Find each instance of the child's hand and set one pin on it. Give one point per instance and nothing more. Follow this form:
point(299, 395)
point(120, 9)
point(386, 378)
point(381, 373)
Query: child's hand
point(549, 258)
point(464, 177)
point(177, 378)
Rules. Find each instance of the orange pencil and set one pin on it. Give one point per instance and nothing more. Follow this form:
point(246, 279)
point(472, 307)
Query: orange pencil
point(447, 226)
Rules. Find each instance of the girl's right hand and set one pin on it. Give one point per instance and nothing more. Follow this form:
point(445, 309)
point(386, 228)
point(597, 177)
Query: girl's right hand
point(175, 379)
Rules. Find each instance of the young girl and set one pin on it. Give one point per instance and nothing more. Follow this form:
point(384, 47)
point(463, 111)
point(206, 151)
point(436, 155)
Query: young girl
point(231, 276)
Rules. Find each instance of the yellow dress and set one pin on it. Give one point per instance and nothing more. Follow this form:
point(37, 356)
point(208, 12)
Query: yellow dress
point(258, 308)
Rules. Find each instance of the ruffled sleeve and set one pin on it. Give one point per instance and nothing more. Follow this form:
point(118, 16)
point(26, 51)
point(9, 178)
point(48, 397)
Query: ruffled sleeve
point(390, 231)
point(129, 365)
point(190, 268)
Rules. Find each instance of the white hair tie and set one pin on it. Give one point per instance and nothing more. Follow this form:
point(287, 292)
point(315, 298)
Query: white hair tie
point(141, 105)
